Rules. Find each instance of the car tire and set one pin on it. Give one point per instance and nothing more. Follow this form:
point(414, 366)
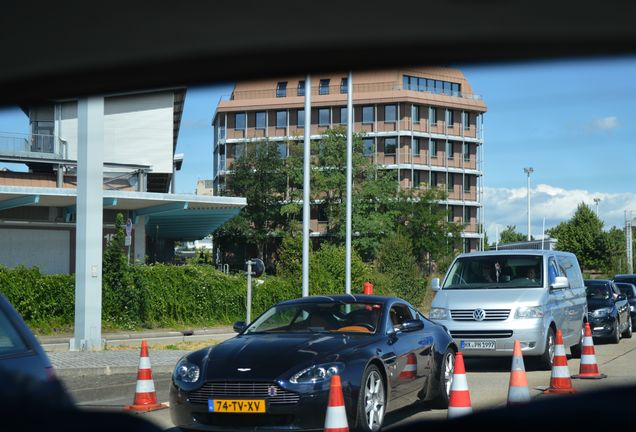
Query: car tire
point(544, 361)
point(616, 335)
point(627, 334)
point(373, 395)
point(446, 370)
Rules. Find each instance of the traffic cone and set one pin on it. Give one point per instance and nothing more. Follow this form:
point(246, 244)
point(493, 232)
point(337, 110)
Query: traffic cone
point(459, 398)
point(518, 392)
point(145, 396)
point(367, 288)
point(336, 418)
point(589, 367)
point(560, 382)
point(410, 369)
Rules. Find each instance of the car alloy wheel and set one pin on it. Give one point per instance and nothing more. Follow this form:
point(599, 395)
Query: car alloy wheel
point(616, 336)
point(449, 369)
point(627, 334)
point(374, 400)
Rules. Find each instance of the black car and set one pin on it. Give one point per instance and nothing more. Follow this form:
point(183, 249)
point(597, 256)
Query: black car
point(608, 310)
point(276, 373)
point(629, 290)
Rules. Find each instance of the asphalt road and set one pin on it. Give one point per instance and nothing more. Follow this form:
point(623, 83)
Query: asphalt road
point(487, 380)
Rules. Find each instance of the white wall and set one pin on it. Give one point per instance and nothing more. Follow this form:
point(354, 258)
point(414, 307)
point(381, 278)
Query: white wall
point(47, 249)
point(138, 130)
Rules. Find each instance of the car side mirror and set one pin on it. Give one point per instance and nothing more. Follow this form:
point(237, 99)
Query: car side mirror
point(560, 282)
point(621, 297)
point(435, 284)
point(239, 326)
point(411, 326)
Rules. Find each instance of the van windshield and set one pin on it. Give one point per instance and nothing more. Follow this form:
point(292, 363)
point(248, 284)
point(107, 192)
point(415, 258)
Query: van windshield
point(491, 272)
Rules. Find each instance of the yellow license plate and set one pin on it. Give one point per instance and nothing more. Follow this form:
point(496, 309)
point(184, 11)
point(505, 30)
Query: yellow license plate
point(236, 405)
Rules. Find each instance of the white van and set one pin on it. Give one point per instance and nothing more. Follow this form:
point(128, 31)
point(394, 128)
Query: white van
point(489, 299)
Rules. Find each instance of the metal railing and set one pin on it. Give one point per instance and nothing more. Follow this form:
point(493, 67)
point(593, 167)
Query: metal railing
point(33, 145)
point(317, 90)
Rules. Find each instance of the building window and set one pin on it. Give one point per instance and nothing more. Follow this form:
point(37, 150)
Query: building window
point(455, 89)
point(466, 152)
point(281, 89)
point(433, 179)
point(450, 118)
point(301, 118)
point(415, 113)
point(324, 117)
point(261, 117)
point(466, 245)
point(450, 215)
point(466, 184)
point(367, 146)
point(449, 150)
point(450, 184)
point(239, 119)
point(300, 90)
point(282, 150)
point(323, 88)
point(432, 116)
point(343, 115)
point(416, 179)
point(344, 85)
point(239, 151)
point(433, 148)
point(439, 86)
point(447, 88)
point(466, 215)
point(390, 113)
point(390, 146)
point(368, 114)
point(415, 147)
point(281, 119)
point(465, 120)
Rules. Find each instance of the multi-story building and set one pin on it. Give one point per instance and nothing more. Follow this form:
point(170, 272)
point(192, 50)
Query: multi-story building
point(423, 122)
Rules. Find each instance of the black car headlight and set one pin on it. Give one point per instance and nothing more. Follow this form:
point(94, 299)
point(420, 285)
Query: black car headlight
point(186, 372)
point(317, 373)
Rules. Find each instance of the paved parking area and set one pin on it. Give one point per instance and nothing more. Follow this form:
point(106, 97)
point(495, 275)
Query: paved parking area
point(110, 362)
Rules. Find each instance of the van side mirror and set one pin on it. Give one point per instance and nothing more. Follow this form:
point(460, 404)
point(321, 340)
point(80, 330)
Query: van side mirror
point(560, 282)
point(435, 284)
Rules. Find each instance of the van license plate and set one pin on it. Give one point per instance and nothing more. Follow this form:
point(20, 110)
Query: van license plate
point(478, 345)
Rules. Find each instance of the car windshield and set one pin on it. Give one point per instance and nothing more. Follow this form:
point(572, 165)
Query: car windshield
point(319, 317)
point(597, 291)
point(501, 271)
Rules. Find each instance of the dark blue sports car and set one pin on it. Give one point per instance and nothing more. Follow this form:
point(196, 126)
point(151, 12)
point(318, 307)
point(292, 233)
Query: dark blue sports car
point(275, 374)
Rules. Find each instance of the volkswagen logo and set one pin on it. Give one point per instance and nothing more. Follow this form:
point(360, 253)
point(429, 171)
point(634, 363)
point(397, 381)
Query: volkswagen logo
point(479, 314)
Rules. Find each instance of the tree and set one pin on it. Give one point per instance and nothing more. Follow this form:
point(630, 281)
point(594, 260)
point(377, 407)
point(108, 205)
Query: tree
point(510, 235)
point(583, 235)
point(616, 262)
point(115, 259)
point(259, 176)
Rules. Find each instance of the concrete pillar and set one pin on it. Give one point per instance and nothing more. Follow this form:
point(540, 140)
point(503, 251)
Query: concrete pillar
point(88, 261)
point(139, 230)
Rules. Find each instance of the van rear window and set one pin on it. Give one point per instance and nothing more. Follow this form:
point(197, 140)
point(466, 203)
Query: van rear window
point(500, 271)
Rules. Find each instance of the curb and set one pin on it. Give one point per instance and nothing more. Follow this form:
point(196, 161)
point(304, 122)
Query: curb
point(108, 370)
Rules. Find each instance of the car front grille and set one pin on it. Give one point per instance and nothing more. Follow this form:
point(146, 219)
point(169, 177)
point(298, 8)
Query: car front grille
point(481, 334)
point(244, 390)
point(490, 314)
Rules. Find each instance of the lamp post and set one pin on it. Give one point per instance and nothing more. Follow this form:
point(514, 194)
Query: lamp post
point(528, 171)
point(596, 201)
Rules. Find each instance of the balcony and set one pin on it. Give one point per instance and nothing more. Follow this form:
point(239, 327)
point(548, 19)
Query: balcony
point(34, 147)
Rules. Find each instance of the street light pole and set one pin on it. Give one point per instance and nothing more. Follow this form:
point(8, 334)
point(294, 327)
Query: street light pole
point(306, 186)
point(529, 171)
point(596, 201)
point(349, 183)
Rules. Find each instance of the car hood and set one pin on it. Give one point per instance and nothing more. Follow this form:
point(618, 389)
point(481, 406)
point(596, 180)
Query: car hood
point(488, 298)
point(593, 304)
point(272, 356)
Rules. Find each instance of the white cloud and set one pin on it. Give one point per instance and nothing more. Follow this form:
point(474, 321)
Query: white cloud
point(604, 124)
point(507, 206)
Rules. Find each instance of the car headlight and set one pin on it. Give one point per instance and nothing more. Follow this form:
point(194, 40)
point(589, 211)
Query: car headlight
point(186, 372)
point(438, 314)
point(317, 373)
point(602, 312)
point(529, 312)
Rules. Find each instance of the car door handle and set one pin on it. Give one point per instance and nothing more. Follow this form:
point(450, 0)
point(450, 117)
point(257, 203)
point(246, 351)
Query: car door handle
point(378, 351)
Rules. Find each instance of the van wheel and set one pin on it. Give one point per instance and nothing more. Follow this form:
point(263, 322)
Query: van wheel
point(545, 360)
point(575, 350)
point(627, 334)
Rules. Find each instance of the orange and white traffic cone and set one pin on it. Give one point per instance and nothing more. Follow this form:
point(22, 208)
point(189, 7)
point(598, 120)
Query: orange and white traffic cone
point(518, 392)
point(560, 382)
point(336, 418)
point(589, 367)
point(145, 395)
point(410, 370)
point(459, 398)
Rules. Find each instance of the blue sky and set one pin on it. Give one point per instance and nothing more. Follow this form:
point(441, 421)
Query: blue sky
point(570, 120)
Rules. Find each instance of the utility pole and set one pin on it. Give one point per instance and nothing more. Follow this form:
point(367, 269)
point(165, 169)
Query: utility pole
point(596, 201)
point(306, 185)
point(529, 171)
point(628, 241)
point(349, 183)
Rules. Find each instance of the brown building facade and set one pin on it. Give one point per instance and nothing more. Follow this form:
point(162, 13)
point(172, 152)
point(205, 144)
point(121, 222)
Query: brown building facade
point(424, 122)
